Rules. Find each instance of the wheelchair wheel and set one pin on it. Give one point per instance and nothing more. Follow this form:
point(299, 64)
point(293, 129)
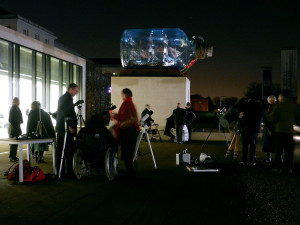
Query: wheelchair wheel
point(111, 164)
point(79, 166)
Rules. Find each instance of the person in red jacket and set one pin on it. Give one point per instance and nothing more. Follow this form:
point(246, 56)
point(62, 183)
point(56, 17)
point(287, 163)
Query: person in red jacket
point(127, 129)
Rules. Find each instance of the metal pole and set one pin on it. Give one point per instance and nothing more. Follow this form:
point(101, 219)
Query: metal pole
point(153, 158)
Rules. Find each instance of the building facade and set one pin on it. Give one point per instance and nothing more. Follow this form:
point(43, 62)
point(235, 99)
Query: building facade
point(289, 61)
point(98, 82)
point(26, 27)
point(34, 70)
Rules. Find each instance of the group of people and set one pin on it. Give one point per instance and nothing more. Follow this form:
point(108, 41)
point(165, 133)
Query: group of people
point(38, 122)
point(126, 128)
point(183, 117)
point(278, 119)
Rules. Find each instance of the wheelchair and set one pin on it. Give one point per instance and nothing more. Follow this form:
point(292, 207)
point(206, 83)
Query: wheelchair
point(96, 150)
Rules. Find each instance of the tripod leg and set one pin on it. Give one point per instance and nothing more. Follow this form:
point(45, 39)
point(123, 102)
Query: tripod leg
point(149, 143)
point(230, 148)
point(227, 142)
point(204, 143)
point(237, 146)
point(137, 146)
point(62, 155)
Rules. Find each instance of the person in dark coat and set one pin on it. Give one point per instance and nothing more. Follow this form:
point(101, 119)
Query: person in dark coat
point(65, 109)
point(250, 124)
point(149, 120)
point(189, 118)
point(14, 128)
point(45, 129)
point(283, 116)
point(268, 132)
point(179, 120)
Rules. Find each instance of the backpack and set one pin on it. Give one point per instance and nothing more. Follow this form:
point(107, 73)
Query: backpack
point(13, 171)
point(30, 174)
point(33, 174)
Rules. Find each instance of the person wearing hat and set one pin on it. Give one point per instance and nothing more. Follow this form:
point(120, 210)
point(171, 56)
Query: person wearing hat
point(189, 118)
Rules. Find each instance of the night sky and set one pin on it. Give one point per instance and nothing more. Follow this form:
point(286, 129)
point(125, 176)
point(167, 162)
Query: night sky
point(246, 35)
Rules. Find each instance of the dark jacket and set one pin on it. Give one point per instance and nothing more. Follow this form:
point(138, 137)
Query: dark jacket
point(284, 115)
point(189, 116)
point(267, 122)
point(47, 128)
point(65, 108)
point(268, 132)
point(169, 125)
point(252, 117)
point(149, 119)
point(15, 119)
point(179, 116)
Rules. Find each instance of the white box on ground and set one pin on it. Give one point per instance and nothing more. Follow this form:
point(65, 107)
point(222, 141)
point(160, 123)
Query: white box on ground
point(183, 158)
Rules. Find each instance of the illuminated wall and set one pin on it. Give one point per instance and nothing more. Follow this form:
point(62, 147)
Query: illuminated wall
point(162, 93)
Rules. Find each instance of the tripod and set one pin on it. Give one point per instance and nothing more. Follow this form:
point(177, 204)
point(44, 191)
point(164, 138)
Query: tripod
point(80, 117)
point(212, 129)
point(143, 132)
point(234, 145)
point(39, 130)
point(40, 126)
point(64, 146)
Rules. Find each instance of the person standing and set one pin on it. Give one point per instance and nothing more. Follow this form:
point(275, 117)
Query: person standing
point(268, 132)
point(149, 120)
point(14, 128)
point(189, 118)
point(250, 124)
point(283, 116)
point(37, 115)
point(179, 120)
point(65, 109)
point(127, 129)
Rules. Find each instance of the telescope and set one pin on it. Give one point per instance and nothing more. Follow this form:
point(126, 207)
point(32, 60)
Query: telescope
point(79, 102)
point(112, 107)
point(144, 118)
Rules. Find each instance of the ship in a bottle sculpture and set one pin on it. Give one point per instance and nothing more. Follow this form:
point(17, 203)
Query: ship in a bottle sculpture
point(161, 48)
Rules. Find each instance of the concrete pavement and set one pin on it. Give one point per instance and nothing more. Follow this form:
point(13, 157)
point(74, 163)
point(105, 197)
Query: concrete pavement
point(168, 195)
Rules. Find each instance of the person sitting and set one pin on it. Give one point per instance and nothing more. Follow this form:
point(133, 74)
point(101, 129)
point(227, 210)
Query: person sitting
point(146, 111)
point(39, 122)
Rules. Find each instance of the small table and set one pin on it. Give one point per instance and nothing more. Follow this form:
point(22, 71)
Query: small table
point(28, 142)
